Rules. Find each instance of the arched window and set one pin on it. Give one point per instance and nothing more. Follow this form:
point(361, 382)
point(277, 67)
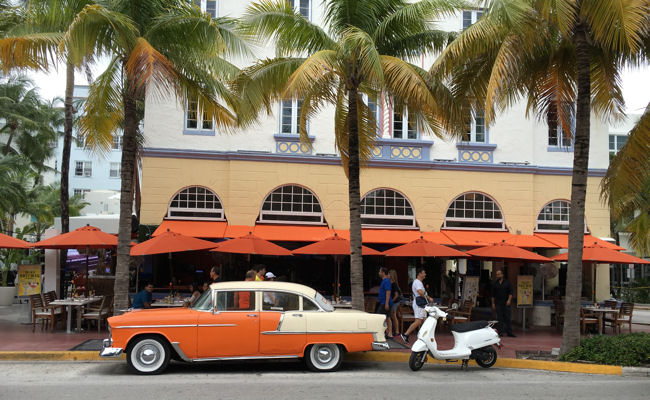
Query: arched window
point(292, 204)
point(554, 217)
point(387, 208)
point(474, 210)
point(196, 202)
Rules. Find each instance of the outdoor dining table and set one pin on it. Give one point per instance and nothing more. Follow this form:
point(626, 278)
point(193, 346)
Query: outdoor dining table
point(175, 303)
point(78, 302)
point(600, 312)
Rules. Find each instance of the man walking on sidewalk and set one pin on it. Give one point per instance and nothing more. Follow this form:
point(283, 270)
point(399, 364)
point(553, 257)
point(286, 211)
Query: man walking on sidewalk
point(501, 299)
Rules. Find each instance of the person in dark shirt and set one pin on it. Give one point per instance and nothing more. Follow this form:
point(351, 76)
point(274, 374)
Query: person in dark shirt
point(385, 300)
point(143, 298)
point(501, 300)
point(214, 276)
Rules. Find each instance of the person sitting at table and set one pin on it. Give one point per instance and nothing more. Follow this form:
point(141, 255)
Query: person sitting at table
point(143, 298)
point(196, 293)
point(243, 299)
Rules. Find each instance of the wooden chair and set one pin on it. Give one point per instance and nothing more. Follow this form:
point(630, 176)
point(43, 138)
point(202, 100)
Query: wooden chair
point(609, 319)
point(463, 314)
point(43, 312)
point(405, 315)
point(559, 313)
point(588, 319)
point(98, 313)
point(624, 316)
point(370, 304)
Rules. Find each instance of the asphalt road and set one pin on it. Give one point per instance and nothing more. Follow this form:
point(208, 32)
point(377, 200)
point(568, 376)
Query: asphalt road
point(289, 380)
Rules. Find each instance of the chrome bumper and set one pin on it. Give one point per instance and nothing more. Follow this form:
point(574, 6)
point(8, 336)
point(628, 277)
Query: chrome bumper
point(380, 346)
point(109, 351)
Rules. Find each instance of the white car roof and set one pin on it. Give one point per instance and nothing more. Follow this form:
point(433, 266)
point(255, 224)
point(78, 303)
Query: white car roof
point(265, 285)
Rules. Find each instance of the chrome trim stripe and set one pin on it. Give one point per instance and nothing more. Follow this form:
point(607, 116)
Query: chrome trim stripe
point(212, 325)
point(243, 358)
point(176, 346)
point(312, 333)
point(155, 326)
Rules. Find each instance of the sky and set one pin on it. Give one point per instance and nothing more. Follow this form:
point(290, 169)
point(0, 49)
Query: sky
point(636, 86)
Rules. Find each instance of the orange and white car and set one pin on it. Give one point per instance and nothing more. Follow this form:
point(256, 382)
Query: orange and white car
point(245, 320)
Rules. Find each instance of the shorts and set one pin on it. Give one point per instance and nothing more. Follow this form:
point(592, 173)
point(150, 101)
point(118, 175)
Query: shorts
point(381, 309)
point(419, 312)
point(394, 307)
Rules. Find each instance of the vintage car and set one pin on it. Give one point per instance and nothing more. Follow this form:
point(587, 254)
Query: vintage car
point(245, 320)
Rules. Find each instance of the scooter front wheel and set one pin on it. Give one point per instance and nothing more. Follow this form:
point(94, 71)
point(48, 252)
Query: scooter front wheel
point(417, 360)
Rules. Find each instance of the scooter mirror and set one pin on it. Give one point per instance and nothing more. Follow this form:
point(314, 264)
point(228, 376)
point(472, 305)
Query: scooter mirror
point(454, 306)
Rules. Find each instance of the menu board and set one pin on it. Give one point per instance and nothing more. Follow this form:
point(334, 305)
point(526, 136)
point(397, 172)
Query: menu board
point(524, 291)
point(470, 288)
point(29, 280)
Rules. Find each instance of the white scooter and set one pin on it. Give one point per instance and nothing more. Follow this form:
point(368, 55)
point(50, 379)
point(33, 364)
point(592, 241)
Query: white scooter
point(472, 341)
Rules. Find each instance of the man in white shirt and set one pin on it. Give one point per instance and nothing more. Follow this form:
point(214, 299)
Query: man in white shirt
point(420, 315)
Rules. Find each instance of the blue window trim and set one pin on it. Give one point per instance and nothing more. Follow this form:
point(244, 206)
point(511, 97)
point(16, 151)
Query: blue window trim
point(560, 149)
point(198, 132)
point(475, 146)
point(292, 137)
point(411, 142)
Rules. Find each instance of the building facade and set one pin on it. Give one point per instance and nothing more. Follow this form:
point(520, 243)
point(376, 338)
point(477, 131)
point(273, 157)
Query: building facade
point(512, 176)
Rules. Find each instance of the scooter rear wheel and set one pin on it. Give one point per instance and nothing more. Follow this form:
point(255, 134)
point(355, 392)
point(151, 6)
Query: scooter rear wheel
point(417, 360)
point(491, 358)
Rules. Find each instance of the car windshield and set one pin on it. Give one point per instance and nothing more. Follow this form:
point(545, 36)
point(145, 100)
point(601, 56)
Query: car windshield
point(204, 302)
point(323, 302)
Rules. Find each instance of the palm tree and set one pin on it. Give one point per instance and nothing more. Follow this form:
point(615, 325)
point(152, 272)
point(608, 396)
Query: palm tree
point(363, 53)
point(627, 185)
point(555, 54)
point(33, 39)
point(158, 48)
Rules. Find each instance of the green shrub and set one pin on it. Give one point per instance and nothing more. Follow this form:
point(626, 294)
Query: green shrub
point(624, 350)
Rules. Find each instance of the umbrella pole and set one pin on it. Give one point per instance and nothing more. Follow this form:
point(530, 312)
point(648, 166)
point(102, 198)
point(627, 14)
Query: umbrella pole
point(171, 269)
point(593, 282)
point(87, 277)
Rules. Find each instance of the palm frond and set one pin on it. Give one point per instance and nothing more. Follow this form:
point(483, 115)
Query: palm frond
point(616, 24)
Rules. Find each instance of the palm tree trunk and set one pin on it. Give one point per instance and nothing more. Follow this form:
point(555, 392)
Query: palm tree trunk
point(121, 288)
point(571, 332)
point(65, 167)
point(354, 194)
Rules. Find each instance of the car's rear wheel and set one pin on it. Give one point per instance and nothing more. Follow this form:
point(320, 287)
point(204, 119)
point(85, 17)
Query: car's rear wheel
point(323, 357)
point(148, 355)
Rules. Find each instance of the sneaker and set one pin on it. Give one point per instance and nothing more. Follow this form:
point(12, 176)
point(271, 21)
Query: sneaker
point(388, 336)
point(404, 337)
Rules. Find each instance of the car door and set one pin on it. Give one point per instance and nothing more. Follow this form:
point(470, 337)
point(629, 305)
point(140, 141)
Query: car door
point(282, 324)
point(232, 328)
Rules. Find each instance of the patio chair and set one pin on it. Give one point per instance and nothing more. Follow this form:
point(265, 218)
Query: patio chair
point(609, 319)
point(624, 316)
point(404, 315)
point(98, 313)
point(370, 304)
point(463, 314)
point(43, 312)
point(559, 313)
point(588, 320)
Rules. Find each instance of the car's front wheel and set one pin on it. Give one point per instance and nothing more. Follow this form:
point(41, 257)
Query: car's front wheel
point(148, 355)
point(323, 357)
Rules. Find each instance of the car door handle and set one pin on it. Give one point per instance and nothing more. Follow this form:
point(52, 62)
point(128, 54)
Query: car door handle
point(297, 315)
point(252, 315)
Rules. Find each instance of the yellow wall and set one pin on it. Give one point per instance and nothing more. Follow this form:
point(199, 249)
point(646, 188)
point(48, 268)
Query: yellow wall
point(243, 185)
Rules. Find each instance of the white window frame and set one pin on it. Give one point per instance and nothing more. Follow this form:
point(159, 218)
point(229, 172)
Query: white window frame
point(118, 142)
point(555, 212)
point(617, 137)
point(294, 110)
point(184, 195)
point(377, 112)
point(298, 6)
point(405, 123)
point(468, 221)
point(474, 16)
point(277, 199)
point(86, 169)
point(115, 170)
point(473, 134)
point(81, 192)
point(563, 141)
point(389, 194)
point(199, 118)
point(203, 6)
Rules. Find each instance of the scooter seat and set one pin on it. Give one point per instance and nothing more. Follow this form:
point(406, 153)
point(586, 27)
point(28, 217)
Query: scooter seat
point(469, 326)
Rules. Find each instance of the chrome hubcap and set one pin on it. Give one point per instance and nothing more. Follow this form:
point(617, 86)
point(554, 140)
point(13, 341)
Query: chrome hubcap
point(148, 355)
point(324, 355)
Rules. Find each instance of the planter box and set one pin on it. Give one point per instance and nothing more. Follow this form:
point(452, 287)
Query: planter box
point(7, 294)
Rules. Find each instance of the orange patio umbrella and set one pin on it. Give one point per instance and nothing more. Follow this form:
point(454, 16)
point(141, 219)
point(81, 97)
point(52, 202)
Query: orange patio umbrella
point(423, 248)
point(87, 237)
point(506, 251)
point(251, 244)
point(333, 246)
point(598, 254)
point(170, 242)
point(9, 242)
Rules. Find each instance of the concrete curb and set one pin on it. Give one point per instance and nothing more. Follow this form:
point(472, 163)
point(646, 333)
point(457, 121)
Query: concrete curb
point(364, 356)
point(501, 363)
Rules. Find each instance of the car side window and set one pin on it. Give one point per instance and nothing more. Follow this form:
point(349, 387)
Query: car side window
point(280, 301)
point(235, 300)
point(309, 305)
